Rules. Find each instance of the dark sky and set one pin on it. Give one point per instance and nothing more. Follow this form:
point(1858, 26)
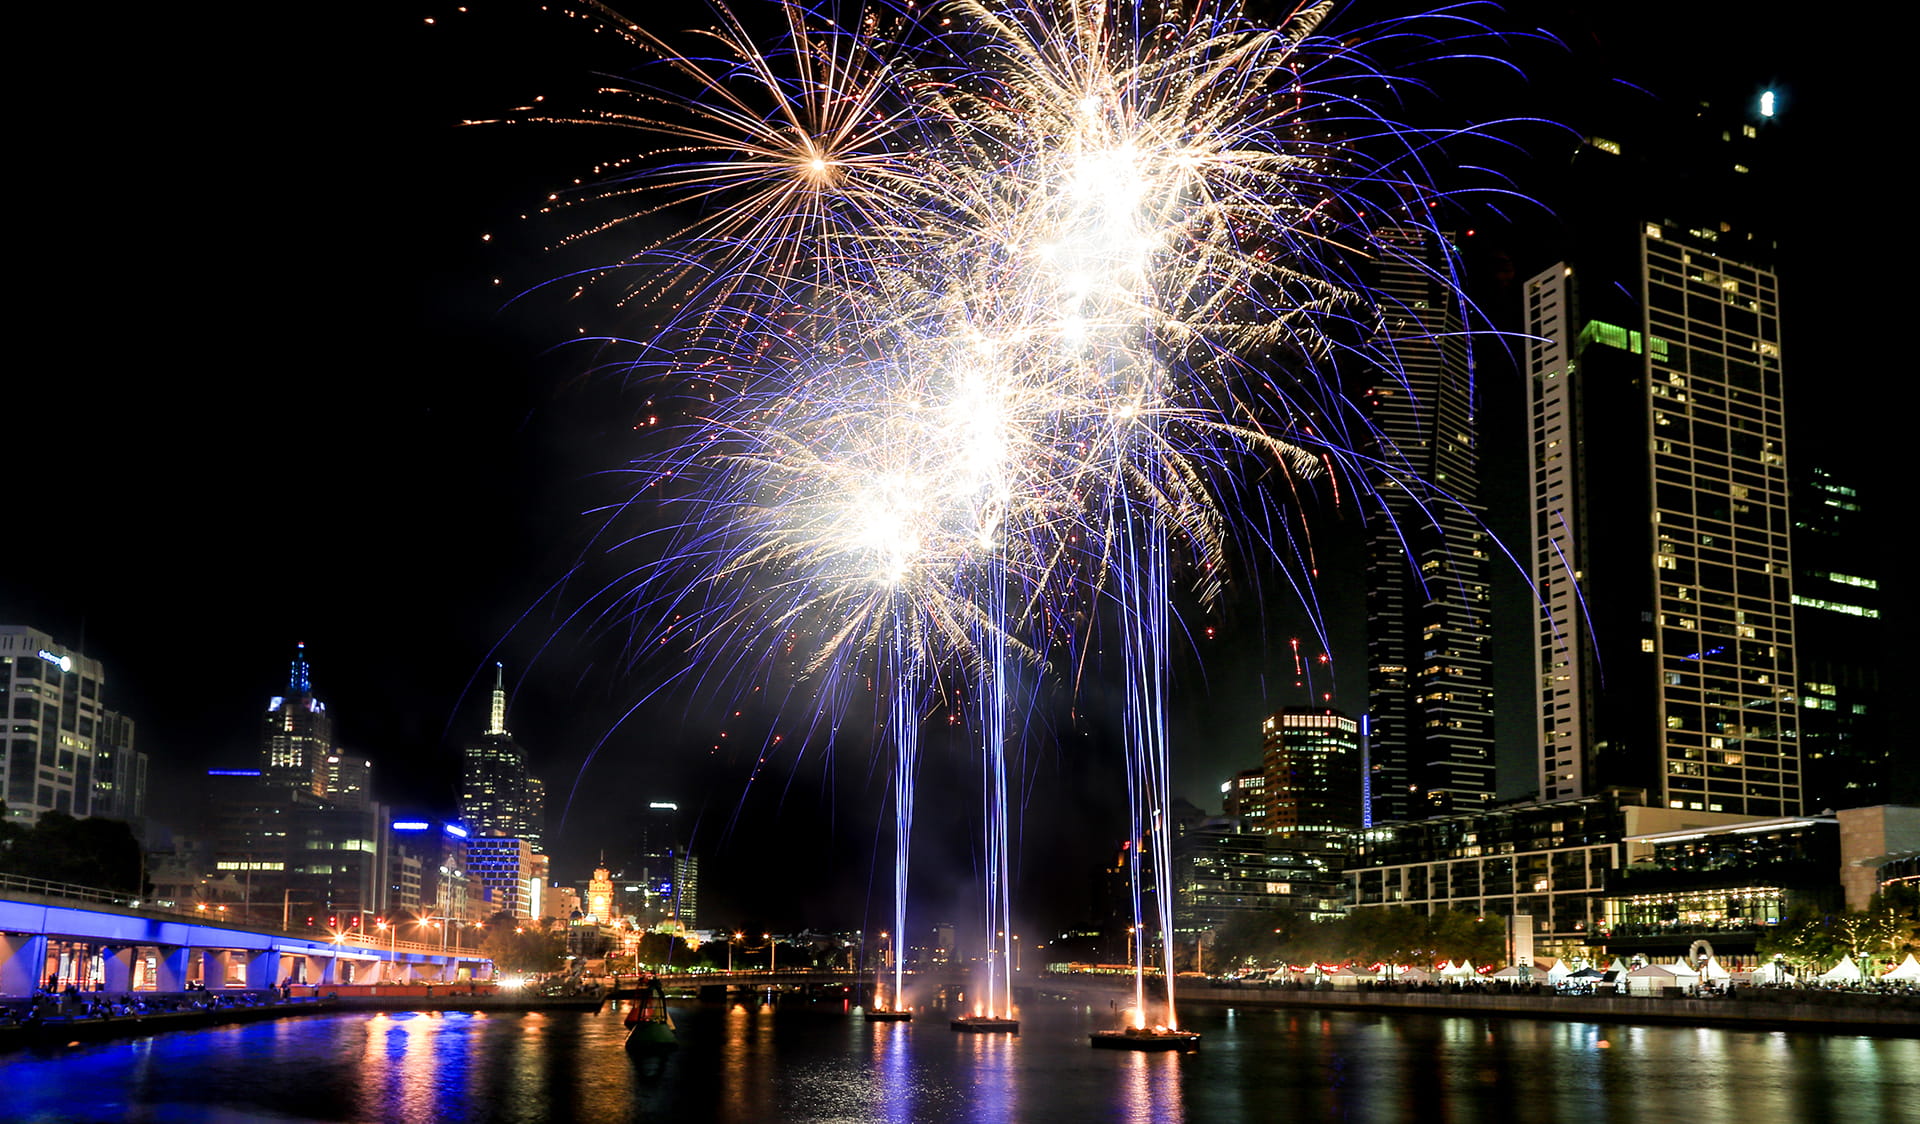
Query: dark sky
point(276, 397)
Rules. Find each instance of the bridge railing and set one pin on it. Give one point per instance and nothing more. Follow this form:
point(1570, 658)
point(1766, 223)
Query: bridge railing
point(40, 887)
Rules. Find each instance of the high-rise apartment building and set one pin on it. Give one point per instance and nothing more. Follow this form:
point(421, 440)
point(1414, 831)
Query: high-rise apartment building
point(1429, 678)
point(50, 696)
point(497, 797)
point(1665, 654)
point(1311, 766)
point(297, 733)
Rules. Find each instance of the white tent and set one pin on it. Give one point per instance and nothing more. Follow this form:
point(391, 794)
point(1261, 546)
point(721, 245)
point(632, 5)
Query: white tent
point(1844, 972)
point(1558, 971)
point(1510, 972)
point(1773, 974)
point(1458, 972)
point(1908, 969)
point(1713, 971)
point(1655, 978)
point(1413, 975)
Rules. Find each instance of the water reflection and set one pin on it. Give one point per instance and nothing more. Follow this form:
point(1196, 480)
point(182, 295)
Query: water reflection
point(740, 1065)
point(1151, 1088)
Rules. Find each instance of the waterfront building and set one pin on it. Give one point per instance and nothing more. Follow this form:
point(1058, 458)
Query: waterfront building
point(1547, 861)
point(1429, 677)
point(51, 697)
point(1726, 884)
point(297, 733)
point(1222, 869)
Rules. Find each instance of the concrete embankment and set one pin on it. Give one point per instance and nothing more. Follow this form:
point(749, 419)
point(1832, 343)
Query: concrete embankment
point(1815, 1011)
point(51, 1023)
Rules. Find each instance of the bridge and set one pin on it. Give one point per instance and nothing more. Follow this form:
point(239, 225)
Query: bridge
point(56, 932)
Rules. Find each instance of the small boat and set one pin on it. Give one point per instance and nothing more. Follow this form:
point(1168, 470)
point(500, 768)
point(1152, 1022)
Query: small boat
point(884, 1015)
point(649, 1025)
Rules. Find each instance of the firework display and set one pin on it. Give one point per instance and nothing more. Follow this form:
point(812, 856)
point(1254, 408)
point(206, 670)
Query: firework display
point(995, 327)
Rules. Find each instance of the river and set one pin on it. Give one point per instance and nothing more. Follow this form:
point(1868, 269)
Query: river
point(755, 1065)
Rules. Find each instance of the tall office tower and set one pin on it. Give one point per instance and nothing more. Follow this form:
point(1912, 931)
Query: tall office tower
point(495, 795)
point(1429, 676)
point(1312, 770)
point(119, 770)
point(1844, 747)
point(669, 871)
point(50, 696)
point(297, 733)
point(1665, 651)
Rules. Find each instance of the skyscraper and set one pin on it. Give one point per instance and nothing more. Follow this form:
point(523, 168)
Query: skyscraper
point(1665, 653)
point(497, 797)
point(1429, 680)
point(669, 871)
point(1845, 746)
point(297, 733)
point(50, 696)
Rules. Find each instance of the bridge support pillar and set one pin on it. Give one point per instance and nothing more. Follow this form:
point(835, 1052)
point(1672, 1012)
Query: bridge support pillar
point(329, 971)
point(119, 964)
point(213, 967)
point(263, 969)
point(173, 961)
point(23, 962)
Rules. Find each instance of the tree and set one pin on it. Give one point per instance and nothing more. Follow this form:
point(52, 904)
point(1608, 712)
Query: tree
point(95, 852)
point(1247, 939)
point(522, 946)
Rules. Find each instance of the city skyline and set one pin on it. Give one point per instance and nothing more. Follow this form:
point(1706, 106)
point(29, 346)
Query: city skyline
point(435, 496)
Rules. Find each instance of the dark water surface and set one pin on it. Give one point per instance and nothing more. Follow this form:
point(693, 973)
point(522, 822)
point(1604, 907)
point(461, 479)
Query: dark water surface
point(753, 1065)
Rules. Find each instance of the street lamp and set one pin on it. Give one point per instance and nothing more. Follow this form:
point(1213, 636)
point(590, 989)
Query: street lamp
point(730, 944)
point(773, 954)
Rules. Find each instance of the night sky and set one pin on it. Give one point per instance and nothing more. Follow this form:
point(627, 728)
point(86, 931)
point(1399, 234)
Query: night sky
point(275, 397)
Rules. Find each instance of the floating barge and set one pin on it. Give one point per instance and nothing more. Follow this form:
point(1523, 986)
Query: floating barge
point(985, 1024)
point(1146, 1038)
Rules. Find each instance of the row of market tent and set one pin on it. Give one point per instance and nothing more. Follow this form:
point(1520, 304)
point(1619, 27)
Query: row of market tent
point(1644, 979)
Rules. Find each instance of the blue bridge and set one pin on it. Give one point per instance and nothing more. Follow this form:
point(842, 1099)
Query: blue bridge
point(58, 935)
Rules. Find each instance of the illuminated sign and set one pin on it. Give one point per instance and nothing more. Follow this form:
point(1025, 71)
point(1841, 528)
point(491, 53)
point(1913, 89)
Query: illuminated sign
point(457, 832)
point(660, 806)
point(411, 825)
point(233, 772)
point(64, 663)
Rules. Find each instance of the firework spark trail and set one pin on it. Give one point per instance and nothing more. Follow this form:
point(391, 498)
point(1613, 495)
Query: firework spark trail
point(992, 695)
point(903, 727)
